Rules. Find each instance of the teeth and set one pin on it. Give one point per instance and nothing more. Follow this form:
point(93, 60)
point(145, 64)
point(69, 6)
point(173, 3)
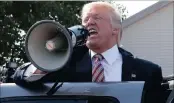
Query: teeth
point(92, 31)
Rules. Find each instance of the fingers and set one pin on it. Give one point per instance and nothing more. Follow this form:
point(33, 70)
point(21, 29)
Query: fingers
point(39, 72)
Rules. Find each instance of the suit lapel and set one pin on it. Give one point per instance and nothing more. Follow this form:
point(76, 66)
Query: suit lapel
point(84, 69)
point(127, 66)
point(126, 69)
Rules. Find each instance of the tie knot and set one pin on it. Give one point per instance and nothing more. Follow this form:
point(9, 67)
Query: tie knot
point(99, 57)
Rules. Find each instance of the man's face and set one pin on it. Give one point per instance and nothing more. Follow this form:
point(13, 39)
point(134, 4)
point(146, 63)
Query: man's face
point(97, 21)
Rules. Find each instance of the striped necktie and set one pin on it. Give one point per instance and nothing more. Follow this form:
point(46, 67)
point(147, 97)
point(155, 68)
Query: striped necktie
point(98, 70)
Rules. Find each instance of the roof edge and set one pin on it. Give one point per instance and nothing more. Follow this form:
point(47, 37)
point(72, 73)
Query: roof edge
point(144, 13)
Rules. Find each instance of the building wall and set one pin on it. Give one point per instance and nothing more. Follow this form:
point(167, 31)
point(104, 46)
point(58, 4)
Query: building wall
point(151, 38)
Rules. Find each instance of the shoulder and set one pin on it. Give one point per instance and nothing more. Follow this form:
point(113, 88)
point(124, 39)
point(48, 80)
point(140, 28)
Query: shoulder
point(79, 53)
point(139, 63)
point(148, 68)
point(146, 63)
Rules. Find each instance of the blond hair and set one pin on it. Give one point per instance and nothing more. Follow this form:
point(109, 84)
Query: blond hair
point(115, 17)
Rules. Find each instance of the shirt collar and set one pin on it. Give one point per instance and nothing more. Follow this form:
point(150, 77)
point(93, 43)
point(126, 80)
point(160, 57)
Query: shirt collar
point(110, 55)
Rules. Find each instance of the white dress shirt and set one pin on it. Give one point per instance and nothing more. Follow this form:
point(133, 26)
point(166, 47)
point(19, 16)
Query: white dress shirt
point(112, 64)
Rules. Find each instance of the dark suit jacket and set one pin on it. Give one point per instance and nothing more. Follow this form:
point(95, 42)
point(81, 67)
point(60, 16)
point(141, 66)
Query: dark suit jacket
point(79, 69)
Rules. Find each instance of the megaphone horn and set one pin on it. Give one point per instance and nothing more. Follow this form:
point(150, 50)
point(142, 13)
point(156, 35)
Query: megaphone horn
point(49, 45)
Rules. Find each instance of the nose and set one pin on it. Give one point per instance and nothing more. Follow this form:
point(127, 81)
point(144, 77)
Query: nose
point(89, 22)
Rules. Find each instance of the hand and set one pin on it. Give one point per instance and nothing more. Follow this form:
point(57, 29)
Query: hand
point(36, 75)
point(39, 72)
point(33, 70)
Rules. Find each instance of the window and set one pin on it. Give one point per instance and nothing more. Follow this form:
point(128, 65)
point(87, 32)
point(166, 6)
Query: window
point(46, 99)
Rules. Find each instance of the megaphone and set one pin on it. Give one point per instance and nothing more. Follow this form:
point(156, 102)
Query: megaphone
point(49, 45)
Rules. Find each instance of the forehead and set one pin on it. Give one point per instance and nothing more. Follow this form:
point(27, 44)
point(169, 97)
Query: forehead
point(94, 10)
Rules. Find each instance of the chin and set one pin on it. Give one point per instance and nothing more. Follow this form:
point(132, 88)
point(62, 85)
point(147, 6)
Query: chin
point(92, 44)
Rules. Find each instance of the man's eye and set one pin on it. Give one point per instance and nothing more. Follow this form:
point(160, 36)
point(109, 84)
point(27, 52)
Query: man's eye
point(86, 19)
point(97, 18)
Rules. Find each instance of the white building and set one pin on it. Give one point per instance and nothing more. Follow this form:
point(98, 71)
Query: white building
point(149, 35)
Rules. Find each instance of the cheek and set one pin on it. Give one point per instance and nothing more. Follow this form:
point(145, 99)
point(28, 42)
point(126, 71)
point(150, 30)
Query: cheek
point(106, 35)
point(105, 31)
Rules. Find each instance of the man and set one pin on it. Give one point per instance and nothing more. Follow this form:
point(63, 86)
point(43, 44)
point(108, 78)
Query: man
point(102, 59)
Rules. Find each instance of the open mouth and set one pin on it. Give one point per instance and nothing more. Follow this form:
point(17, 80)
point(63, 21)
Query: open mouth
point(92, 31)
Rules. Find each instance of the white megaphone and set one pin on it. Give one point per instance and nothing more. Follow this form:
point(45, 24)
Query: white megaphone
point(49, 45)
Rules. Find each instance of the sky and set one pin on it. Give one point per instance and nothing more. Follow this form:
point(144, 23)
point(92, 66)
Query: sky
point(134, 7)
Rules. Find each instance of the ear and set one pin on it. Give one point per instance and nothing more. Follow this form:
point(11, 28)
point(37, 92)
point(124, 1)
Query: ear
point(116, 31)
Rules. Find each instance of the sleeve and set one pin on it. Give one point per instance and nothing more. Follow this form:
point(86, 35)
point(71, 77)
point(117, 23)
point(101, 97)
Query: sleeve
point(23, 74)
point(154, 90)
point(158, 89)
point(18, 76)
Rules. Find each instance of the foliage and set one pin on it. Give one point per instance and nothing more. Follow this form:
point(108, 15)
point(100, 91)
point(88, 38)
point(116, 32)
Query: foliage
point(16, 17)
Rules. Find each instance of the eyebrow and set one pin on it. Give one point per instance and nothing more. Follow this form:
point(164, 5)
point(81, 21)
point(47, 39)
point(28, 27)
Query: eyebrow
point(94, 14)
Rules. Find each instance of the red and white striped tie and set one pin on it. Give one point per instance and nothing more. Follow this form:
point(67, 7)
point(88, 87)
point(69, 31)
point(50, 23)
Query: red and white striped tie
point(98, 70)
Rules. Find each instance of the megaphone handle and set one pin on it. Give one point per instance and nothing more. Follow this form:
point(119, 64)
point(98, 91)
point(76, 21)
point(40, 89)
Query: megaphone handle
point(54, 88)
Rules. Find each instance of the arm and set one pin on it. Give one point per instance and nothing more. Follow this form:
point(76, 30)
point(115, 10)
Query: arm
point(66, 74)
point(154, 91)
point(23, 74)
point(151, 73)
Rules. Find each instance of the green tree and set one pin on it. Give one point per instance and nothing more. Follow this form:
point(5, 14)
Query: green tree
point(16, 17)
